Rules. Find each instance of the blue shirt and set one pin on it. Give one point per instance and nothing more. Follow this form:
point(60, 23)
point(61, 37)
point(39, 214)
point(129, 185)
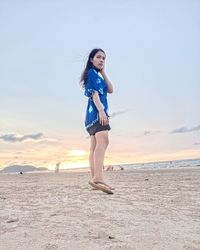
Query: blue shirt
point(95, 83)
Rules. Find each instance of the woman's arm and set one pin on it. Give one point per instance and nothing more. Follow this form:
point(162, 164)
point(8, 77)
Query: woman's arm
point(102, 115)
point(109, 84)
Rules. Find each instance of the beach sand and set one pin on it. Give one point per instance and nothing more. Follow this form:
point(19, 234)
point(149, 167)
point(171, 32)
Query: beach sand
point(150, 209)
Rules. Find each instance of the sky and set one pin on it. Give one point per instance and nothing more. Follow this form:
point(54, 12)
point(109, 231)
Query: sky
point(152, 58)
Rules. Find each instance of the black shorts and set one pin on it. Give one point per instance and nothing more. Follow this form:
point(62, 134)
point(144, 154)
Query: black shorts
point(97, 127)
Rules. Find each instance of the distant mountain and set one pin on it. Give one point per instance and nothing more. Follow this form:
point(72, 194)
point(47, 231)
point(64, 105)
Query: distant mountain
point(23, 168)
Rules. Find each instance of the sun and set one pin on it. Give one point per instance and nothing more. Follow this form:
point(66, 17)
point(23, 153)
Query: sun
point(76, 158)
point(77, 152)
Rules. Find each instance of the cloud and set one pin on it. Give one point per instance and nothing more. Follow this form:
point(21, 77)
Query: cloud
point(196, 143)
point(185, 130)
point(20, 138)
point(114, 114)
point(147, 132)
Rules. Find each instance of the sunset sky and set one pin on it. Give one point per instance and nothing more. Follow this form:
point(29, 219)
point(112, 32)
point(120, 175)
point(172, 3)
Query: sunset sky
point(153, 60)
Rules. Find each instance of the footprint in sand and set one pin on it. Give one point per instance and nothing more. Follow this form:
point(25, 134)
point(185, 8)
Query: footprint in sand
point(51, 247)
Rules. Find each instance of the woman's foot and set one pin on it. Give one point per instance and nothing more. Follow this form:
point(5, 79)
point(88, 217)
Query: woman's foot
point(103, 183)
point(101, 186)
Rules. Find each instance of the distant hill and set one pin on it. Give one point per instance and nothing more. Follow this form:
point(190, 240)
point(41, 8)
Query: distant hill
point(23, 168)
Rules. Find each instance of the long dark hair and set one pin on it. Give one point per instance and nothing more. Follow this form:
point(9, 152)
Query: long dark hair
point(88, 66)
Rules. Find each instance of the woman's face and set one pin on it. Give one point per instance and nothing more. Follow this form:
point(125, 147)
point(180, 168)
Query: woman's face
point(99, 60)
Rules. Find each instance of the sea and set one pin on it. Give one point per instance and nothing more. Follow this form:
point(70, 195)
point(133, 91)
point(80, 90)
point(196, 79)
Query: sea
point(178, 164)
point(188, 163)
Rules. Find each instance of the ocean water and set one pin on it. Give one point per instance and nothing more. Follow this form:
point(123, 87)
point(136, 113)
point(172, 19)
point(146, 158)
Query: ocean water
point(189, 163)
point(162, 164)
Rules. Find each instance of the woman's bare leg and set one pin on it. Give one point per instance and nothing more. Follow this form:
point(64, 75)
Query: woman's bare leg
point(99, 153)
point(91, 155)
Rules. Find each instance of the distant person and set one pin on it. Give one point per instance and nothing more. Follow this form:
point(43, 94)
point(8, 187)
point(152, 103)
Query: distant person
point(109, 168)
point(96, 84)
point(57, 168)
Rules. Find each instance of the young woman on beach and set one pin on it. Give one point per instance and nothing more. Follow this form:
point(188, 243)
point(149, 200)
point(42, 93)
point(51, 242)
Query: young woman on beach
point(96, 84)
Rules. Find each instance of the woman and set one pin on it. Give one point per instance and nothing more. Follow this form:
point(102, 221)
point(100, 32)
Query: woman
point(97, 85)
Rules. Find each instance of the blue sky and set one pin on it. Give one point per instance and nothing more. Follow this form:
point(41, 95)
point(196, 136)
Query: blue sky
point(153, 59)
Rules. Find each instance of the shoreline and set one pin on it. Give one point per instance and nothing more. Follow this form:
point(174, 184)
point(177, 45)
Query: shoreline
point(86, 170)
point(185, 163)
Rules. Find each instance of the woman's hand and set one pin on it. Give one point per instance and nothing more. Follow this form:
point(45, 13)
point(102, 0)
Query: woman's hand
point(103, 119)
point(108, 82)
point(102, 71)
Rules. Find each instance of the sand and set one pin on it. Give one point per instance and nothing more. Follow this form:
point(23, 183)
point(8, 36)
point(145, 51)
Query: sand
point(150, 209)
